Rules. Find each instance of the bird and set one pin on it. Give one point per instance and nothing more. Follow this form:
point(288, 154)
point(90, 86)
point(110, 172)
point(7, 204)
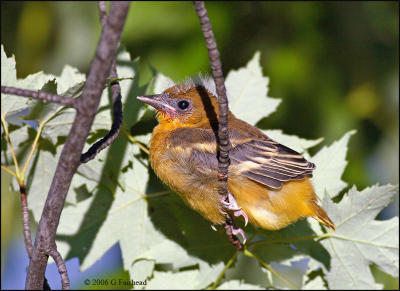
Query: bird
point(268, 183)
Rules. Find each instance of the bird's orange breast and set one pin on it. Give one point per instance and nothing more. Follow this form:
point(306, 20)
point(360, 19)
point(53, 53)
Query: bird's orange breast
point(198, 186)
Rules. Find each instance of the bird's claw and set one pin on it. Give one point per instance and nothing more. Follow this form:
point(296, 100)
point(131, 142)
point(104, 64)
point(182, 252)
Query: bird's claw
point(240, 231)
point(231, 204)
point(213, 227)
point(241, 212)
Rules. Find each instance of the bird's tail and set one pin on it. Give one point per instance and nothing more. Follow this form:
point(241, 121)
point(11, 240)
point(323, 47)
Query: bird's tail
point(321, 216)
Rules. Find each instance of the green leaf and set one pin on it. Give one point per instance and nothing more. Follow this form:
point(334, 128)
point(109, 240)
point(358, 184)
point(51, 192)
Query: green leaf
point(360, 240)
point(122, 224)
point(247, 92)
point(294, 142)
point(238, 285)
point(141, 269)
point(21, 142)
point(8, 72)
point(41, 172)
point(331, 162)
point(57, 119)
point(161, 83)
point(249, 271)
point(176, 281)
point(316, 284)
point(293, 271)
point(69, 78)
point(12, 104)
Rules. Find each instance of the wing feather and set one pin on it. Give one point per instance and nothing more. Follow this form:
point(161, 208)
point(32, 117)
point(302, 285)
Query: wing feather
point(263, 160)
point(253, 155)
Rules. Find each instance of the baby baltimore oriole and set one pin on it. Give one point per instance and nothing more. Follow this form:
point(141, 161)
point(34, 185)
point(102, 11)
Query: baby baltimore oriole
point(268, 183)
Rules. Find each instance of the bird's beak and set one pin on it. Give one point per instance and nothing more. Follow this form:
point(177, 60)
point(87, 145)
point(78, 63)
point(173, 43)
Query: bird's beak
point(159, 102)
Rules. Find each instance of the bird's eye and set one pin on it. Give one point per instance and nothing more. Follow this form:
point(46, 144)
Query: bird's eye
point(183, 104)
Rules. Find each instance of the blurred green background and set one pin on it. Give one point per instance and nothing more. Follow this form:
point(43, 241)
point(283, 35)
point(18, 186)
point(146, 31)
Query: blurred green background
point(334, 64)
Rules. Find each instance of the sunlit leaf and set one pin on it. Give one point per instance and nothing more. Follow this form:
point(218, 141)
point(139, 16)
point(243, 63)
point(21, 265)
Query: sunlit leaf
point(247, 90)
point(238, 285)
point(294, 142)
point(11, 103)
point(360, 240)
point(331, 162)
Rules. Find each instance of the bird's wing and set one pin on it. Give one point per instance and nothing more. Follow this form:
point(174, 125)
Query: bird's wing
point(268, 162)
point(253, 155)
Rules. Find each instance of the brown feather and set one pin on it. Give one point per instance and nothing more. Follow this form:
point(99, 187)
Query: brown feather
point(269, 181)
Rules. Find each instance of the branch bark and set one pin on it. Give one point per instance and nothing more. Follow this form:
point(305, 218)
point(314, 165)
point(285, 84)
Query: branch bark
point(224, 144)
point(46, 97)
point(69, 160)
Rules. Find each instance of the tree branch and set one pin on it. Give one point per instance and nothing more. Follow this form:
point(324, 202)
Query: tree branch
point(25, 220)
point(61, 268)
point(69, 161)
point(27, 229)
point(224, 144)
point(46, 97)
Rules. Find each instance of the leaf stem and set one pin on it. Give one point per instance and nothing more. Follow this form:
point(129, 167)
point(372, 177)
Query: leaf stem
point(8, 170)
point(269, 268)
point(35, 145)
point(17, 173)
point(227, 266)
point(139, 144)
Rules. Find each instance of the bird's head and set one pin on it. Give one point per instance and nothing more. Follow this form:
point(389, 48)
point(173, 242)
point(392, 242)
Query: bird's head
point(185, 105)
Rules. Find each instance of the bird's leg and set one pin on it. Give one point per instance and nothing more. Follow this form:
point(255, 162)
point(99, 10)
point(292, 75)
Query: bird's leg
point(237, 230)
point(231, 204)
point(232, 231)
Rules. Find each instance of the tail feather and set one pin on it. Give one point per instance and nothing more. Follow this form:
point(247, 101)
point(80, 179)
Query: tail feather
point(322, 217)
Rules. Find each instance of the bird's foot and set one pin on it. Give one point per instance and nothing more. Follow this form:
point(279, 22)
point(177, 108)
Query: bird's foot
point(231, 204)
point(232, 231)
point(237, 230)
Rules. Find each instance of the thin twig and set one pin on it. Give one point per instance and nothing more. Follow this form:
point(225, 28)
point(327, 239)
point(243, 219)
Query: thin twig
point(44, 96)
point(224, 144)
point(25, 220)
point(103, 12)
point(27, 229)
point(117, 105)
point(104, 142)
point(61, 267)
